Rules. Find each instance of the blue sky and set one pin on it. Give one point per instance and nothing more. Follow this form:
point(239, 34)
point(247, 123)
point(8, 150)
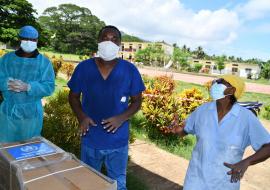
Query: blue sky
point(231, 27)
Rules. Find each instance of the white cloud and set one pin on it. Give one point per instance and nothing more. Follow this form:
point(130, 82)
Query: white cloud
point(170, 21)
point(254, 9)
point(162, 20)
point(215, 30)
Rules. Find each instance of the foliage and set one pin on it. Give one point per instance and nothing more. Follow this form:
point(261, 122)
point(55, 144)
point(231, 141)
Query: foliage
point(220, 63)
point(265, 73)
point(152, 55)
point(180, 58)
point(60, 124)
point(197, 67)
point(161, 103)
point(199, 53)
point(130, 38)
point(84, 57)
point(13, 15)
point(72, 29)
point(266, 113)
point(189, 100)
point(67, 68)
point(57, 64)
point(2, 52)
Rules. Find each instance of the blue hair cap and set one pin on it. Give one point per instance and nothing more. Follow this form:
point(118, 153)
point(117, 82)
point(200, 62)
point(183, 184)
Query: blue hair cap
point(28, 32)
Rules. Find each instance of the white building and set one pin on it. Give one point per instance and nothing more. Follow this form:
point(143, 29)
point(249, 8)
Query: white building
point(245, 70)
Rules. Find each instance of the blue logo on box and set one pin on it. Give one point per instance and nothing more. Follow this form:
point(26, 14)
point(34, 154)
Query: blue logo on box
point(30, 150)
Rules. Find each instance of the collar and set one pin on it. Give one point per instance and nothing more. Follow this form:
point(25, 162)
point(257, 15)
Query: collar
point(20, 52)
point(234, 110)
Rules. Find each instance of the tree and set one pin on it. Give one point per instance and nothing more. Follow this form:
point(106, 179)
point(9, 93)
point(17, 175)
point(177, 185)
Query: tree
point(72, 29)
point(151, 55)
point(15, 14)
point(220, 62)
point(180, 58)
point(67, 69)
point(129, 38)
point(199, 53)
point(265, 73)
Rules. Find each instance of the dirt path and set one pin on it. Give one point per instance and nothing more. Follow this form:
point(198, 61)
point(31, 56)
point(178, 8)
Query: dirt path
point(164, 171)
point(250, 87)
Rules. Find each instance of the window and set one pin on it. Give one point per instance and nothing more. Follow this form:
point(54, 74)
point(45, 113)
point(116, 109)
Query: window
point(248, 70)
point(234, 70)
point(208, 62)
point(130, 46)
point(196, 61)
point(236, 65)
point(123, 47)
point(140, 46)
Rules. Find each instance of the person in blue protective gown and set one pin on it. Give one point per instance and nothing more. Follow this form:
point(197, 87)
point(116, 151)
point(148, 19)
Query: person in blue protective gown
point(223, 130)
point(26, 77)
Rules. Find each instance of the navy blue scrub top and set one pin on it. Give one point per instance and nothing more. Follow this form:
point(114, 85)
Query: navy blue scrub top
point(102, 99)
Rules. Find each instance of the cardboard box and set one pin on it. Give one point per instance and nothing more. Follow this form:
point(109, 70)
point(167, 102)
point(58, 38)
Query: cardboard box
point(40, 165)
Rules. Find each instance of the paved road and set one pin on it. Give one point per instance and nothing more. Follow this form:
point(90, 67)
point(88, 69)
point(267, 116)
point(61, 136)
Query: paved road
point(250, 87)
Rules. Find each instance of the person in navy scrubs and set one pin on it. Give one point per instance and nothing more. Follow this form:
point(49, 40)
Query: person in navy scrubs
point(111, 90)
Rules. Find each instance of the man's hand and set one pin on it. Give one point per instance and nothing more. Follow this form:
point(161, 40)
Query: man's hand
point(237, 170)
point(112, 124)
point(85, 124)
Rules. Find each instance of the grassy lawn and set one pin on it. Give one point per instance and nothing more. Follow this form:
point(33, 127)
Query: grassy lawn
point(60, 83)
point(259, 81)
point(71, 57)
point(180, 86)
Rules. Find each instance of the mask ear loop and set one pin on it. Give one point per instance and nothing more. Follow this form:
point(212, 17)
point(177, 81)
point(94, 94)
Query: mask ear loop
point(228, 94)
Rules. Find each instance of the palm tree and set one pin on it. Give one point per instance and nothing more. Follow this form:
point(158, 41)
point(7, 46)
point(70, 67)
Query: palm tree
point(199, 52)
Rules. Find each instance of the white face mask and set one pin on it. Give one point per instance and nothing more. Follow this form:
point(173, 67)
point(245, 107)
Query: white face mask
point(217, 91)
point(28, 46)
point(108, 50)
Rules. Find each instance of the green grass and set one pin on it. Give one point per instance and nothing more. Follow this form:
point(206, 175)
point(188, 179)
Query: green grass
point(259, 81)
point(180, 86)
point(70, 57)
point(60, 83)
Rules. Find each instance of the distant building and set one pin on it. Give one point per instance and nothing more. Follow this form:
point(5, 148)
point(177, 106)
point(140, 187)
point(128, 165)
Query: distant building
point(245, 70)
point(129, 49)
point(3, 46)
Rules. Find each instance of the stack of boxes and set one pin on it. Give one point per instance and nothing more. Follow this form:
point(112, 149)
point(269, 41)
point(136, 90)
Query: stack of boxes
point(39, 164)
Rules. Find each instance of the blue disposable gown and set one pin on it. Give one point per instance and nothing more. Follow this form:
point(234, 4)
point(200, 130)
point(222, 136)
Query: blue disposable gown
point(21, 114)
